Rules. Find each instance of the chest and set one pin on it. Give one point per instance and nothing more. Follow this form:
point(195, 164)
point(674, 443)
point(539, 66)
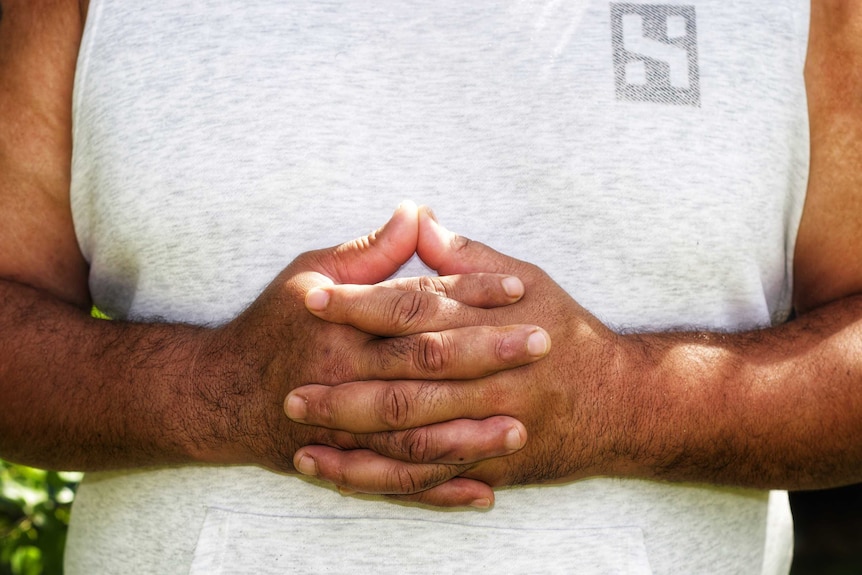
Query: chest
point(632, 150)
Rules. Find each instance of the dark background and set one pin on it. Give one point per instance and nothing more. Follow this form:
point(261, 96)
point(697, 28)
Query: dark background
point(828, 531)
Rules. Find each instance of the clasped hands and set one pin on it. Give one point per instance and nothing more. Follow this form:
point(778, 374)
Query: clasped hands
point(433, 389)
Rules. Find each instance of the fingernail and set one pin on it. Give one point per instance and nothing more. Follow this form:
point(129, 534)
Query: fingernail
point(317, 299)
point(538, 344)
point(513, 287)
point(296, 408)
point(307, 465)
point(346, 490)
point(483, 503)
point(514, 441)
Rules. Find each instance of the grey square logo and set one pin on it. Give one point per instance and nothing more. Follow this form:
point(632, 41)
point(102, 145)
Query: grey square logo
point(655, 53)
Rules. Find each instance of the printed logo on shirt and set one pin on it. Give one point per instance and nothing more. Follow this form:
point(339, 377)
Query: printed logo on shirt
point(655, 53)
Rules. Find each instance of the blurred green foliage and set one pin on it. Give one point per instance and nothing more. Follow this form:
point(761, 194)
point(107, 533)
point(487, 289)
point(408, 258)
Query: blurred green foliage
point(34, 516)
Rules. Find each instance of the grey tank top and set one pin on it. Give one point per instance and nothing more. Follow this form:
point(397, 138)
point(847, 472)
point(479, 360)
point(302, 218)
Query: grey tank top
point(651, 157)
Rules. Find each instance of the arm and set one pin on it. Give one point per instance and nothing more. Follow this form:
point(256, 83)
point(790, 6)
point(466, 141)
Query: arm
point(827, 264)
point(787, 402)
point(772, 408)
point(121, 394)
point(778, 407)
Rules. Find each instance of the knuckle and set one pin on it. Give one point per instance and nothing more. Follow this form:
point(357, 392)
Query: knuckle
point(393, 406)
point(410, 479)
point(433, 285)
point(317, 260)
point(419, 446)
point(339, 475)
point(323, 409)
point(426, 284)
point(395, 355)
point(339, 264)
point(460, 243)
point(504, 350)
point(433, 352)
point(307, 258)
point(527, 271)
point(334, 362)
point(410, 309)
point(404, 479)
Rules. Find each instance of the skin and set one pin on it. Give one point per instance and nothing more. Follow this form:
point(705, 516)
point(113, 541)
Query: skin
point(127, 395)
point(775, 408)
point(768, 408)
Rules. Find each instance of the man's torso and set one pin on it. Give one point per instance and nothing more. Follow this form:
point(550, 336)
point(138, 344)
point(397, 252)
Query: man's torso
point(651, 157)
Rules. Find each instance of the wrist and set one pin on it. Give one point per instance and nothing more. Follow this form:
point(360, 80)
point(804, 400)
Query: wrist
point(632, 407)
point(684, 399)
point(215, 382)
point(656, 422)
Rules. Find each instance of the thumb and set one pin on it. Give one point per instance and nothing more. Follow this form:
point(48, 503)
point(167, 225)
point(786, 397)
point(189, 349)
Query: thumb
point(375, 257)
point(448, 253)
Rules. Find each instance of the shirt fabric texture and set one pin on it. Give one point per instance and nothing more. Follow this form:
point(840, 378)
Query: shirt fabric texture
point(652, 158)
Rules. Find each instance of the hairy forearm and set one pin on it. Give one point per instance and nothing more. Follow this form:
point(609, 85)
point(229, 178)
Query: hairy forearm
point(777, 408)
point(82, 393)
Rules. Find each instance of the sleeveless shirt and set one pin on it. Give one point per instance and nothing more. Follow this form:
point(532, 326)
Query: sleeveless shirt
point(651, 157)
